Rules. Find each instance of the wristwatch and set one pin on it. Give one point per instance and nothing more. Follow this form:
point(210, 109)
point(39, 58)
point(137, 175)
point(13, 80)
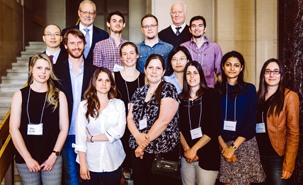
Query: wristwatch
point(234, 146)
point(57, 153)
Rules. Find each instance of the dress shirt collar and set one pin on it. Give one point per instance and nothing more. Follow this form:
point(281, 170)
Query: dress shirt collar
point(173, 27)
point(81, 28)
point(70, 65)
point(159, 42)
point(205, 38)
point(114, 41)
point(55, 56)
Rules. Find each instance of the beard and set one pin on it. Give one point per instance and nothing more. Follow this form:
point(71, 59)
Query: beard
point(87, 21)
point(198, 36)
point(70, 52)
point(151, 37)
point(117, 31)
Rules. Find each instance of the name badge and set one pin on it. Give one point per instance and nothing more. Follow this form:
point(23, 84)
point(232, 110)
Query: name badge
point(117, 68)
point(230, 125)
point(143, 124)
point(35, 129)
point(260, 128)
point(128, 106)
point(196, 133)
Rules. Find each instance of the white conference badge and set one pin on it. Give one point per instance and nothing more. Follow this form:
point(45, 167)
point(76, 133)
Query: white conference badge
point(196, 133)
point(142, 123)
point(230, 125)
point(117, 68)
point(260, 128)
point(35, 129)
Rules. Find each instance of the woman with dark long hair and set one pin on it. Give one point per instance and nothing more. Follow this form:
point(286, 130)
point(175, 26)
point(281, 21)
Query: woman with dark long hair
point(240, 159)
point(99, 126)
point(199, 127)
point(178, 57)
point(39, 125)
point(277, 124)
point(153, 123)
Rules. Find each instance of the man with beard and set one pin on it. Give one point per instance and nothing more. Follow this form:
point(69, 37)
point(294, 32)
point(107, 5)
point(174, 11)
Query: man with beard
point(74, 75)
point(151, 44)
point(178, 32)
point(207, 53)
point(87, 15)
point(107, 52)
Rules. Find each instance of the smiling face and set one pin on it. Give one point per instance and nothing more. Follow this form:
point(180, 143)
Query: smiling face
point(41, 71)
point(52, 36)
point(232, 67)
point(116, 24)
point(179, 61)
point(197, 28)
point(87, 14)
point(154, 71)
point(272, 74)
point(129, 55)
point(75, 46)
point(192, 77)
point(150, 28)
point(103, 83)
point(178, 14)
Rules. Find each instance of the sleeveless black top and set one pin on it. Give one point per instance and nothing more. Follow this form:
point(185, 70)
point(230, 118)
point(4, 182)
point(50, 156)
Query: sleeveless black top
point(40, 147)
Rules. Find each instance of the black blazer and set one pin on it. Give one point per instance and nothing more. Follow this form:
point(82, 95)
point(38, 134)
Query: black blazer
point(62, 56)
point(98, 35)
point(61, 71)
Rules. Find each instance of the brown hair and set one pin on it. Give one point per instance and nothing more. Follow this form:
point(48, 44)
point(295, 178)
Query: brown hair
point(74, 32)
point(148, 15)
point(127, 44)
point(93, 103)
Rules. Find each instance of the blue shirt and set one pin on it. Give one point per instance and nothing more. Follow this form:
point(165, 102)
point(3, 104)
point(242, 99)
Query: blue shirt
point(172, 79)
point(161, 48)
point(246, 114)
point(76, 81)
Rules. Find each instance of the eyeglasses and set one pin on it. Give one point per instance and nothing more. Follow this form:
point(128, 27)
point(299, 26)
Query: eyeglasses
point(149, 26)
point(90, 13)
point(52, 34)
point(175, 12)
point(275, 72)
point(182, 59)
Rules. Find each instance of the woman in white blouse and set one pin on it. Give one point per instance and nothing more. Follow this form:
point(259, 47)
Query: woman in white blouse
point(100, 125)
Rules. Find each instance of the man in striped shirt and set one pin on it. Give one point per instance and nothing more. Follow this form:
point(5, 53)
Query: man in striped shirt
point(106, 52)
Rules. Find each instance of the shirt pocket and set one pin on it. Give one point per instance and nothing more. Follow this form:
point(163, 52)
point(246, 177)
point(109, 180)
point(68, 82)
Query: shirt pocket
point(113, 118)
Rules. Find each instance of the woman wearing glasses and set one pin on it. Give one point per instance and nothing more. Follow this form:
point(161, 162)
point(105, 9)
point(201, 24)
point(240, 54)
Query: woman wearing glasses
point(277, 124)
point(178, 58)
point(240, 159)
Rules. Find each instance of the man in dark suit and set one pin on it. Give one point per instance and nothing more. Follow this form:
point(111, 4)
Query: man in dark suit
point(178, 32)
point(52, 38)
point(74, 75)
point(87, 14)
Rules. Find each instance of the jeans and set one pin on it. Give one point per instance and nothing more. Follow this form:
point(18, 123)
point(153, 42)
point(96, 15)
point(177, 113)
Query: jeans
point(104, 178)
point(70, 166)
point(272, 166)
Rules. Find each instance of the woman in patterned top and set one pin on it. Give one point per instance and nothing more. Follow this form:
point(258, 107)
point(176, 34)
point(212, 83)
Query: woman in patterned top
point(152, 121)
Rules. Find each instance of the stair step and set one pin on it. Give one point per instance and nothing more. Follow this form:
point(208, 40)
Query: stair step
point(6, 94)
point(23, 70)
point(31, 52)
point(36, 43)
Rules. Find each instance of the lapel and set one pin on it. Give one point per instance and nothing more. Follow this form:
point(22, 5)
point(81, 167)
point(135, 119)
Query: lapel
point(86, 78)
point(94, 40)
point(66, 76)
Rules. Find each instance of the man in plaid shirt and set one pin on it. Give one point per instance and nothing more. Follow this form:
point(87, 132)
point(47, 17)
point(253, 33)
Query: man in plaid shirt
point(106, 52)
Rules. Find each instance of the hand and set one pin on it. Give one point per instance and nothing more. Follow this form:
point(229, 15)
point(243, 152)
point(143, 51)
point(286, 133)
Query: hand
point(228, 153)
point(232, 159)
point(88, 136)
point(139, 152)
point(84, 172)
point(190, 155)
point(285, 174)
point(196, 158)
point(49, 163)
point(142, 140)
point(33, 165)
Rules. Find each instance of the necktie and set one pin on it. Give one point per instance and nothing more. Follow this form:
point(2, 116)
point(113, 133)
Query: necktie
point(87, 46)
point(178, 32)
point(52, 56)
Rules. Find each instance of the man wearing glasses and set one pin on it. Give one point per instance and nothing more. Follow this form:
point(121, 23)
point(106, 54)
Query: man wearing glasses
point(178, 32)
point(207, 53)
point(151, 44)
point(87, 14)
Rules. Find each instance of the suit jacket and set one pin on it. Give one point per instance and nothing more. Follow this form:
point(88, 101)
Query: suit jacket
point(169, 36)
point(98, 35)
point(283, 130)
point(62, 56)
point(61, 71)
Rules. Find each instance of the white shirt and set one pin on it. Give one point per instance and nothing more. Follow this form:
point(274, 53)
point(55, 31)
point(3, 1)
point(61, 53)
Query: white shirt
point(81, 28)
point(55, 56)
point(102, 156)
point(173, 27)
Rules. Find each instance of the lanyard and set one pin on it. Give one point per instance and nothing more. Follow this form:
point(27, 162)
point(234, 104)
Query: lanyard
point(127, 88)
point(29, 92)
point(189, 118)
point(235, 107)
point(262, 117)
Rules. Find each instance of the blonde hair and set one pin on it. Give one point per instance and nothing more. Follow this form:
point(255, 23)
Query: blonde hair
point(51, 98)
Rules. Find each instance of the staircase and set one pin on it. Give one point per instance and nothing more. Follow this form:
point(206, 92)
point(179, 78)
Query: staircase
point(16, 78)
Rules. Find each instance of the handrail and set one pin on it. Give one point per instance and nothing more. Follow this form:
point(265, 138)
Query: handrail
point(7, 151)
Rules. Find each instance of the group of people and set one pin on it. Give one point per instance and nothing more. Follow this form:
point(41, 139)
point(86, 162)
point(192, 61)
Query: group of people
point(109, 104)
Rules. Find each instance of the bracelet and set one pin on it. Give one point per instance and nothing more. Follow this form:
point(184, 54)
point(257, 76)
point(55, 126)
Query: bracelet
point(91, 139)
